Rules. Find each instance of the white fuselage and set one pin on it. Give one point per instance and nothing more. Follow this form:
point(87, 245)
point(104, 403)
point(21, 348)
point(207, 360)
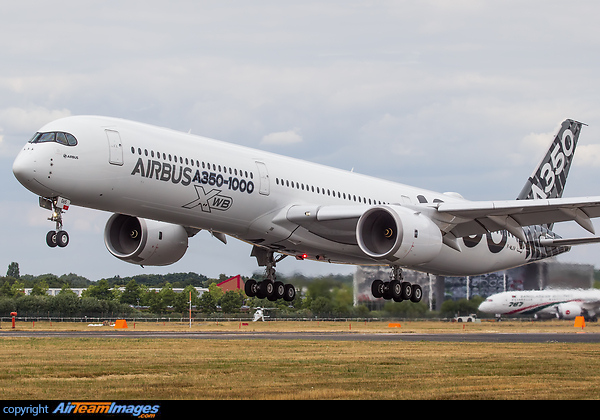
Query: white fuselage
point(542, 302)
point(155, 173)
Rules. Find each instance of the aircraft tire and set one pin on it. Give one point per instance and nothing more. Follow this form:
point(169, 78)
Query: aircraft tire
point(250, 288)
point(265, 289)
point(407, 290)
point(278, 290)
point(290, 292)
point(417, 293)
point(51, 239)
point(377, 289)
point(62, 239)
point(395, 288)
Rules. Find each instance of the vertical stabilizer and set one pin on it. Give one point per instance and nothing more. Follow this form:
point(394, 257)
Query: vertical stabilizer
point(549, 178)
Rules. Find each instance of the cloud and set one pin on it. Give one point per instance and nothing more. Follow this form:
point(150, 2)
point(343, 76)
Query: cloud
point(588, 155)
point(27, 120)
point(282, 138)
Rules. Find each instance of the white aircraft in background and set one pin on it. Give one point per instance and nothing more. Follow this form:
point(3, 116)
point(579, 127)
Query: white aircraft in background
point(165, 186)
point(563, 304)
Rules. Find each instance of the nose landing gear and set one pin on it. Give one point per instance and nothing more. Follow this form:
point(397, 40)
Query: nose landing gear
point(57, 205)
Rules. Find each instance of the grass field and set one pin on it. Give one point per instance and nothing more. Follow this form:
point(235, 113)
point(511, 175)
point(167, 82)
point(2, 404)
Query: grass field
point(92, 368)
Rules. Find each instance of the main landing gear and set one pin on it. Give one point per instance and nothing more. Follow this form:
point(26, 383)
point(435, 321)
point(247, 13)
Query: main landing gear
point(396, 289)
point(57, 205)
point(269, 288)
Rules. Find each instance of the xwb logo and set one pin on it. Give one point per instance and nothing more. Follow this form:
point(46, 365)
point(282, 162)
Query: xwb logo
point(208, 201)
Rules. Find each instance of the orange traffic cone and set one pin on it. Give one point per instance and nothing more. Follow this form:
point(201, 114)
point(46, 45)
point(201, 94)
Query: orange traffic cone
point(579, 322)
point(121, 323)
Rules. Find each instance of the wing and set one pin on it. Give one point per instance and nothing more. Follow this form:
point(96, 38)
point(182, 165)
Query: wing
point(460, 218)
point(479, 217)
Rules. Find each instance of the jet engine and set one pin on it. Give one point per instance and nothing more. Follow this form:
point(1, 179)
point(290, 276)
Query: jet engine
point(144, 242)
point(399, 235)
point(568, 310)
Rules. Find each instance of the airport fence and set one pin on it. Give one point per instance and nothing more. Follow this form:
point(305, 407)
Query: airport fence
point(98, 320)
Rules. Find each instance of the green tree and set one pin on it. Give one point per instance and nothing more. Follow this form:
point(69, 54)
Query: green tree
point(132, 294)
point(5, 289)
point(7, 305)
point(231, 302)
point(33, 304)
point(182, 300)
point(66, 290)
point(321, 306)
point(156, 303)
point(65, 304)
point(167, 295)
point(207, 303)
point(40, 288)
point(342, 299)
point(101, 291)
point(216, 292)
point(451, 308)
point(17, 289)
point(91, 306)
point(13, 270)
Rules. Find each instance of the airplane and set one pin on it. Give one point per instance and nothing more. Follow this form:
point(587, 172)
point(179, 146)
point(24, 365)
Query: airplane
point(559, 303)
point(164, 186)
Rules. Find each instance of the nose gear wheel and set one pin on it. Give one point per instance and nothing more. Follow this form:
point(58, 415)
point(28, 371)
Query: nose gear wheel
point(58, 236)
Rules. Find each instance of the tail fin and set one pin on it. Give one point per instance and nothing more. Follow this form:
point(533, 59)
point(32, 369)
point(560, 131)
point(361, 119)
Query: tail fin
point(549, 178)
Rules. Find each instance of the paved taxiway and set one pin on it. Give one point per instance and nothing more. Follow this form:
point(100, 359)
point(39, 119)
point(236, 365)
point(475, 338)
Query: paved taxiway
point(580, 337)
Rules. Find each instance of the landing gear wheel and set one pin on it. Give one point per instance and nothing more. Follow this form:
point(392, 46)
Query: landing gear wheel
point(269, 288)
point(251, 288)
point(407, 290)
point(57, 237)
point(377, 288)
point(265, 289)
point(417, 293)
point(51, 239)
point(290, 293)
point(62, 239)
point(274, 295)
point(396, 290)
point(278, 290)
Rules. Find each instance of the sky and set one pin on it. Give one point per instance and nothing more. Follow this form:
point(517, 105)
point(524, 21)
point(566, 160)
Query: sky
point(450, 96)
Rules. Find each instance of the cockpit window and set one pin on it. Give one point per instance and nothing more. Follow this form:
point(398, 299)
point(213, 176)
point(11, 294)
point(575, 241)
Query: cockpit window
point(59, 137)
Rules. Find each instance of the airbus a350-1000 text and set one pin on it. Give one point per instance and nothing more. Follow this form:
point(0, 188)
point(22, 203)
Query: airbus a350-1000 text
point(165, 186)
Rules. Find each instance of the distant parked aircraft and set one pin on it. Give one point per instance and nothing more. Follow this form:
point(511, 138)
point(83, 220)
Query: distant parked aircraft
point(564, 304)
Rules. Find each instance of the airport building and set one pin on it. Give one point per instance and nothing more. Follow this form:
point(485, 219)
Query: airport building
point(534, 276)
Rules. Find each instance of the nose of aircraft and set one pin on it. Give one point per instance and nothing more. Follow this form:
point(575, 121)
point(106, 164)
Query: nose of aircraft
point(485, 306)
point(23, 168)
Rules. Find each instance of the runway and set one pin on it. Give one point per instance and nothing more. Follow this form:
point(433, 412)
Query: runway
point(575, 337)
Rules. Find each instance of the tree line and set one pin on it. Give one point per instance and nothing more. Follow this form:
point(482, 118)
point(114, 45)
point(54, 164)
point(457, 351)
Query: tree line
point(135, 296)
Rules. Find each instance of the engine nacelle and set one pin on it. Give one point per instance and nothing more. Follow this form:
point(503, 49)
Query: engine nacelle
point(569, 310)
point(144, 242)
point(399, 235)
